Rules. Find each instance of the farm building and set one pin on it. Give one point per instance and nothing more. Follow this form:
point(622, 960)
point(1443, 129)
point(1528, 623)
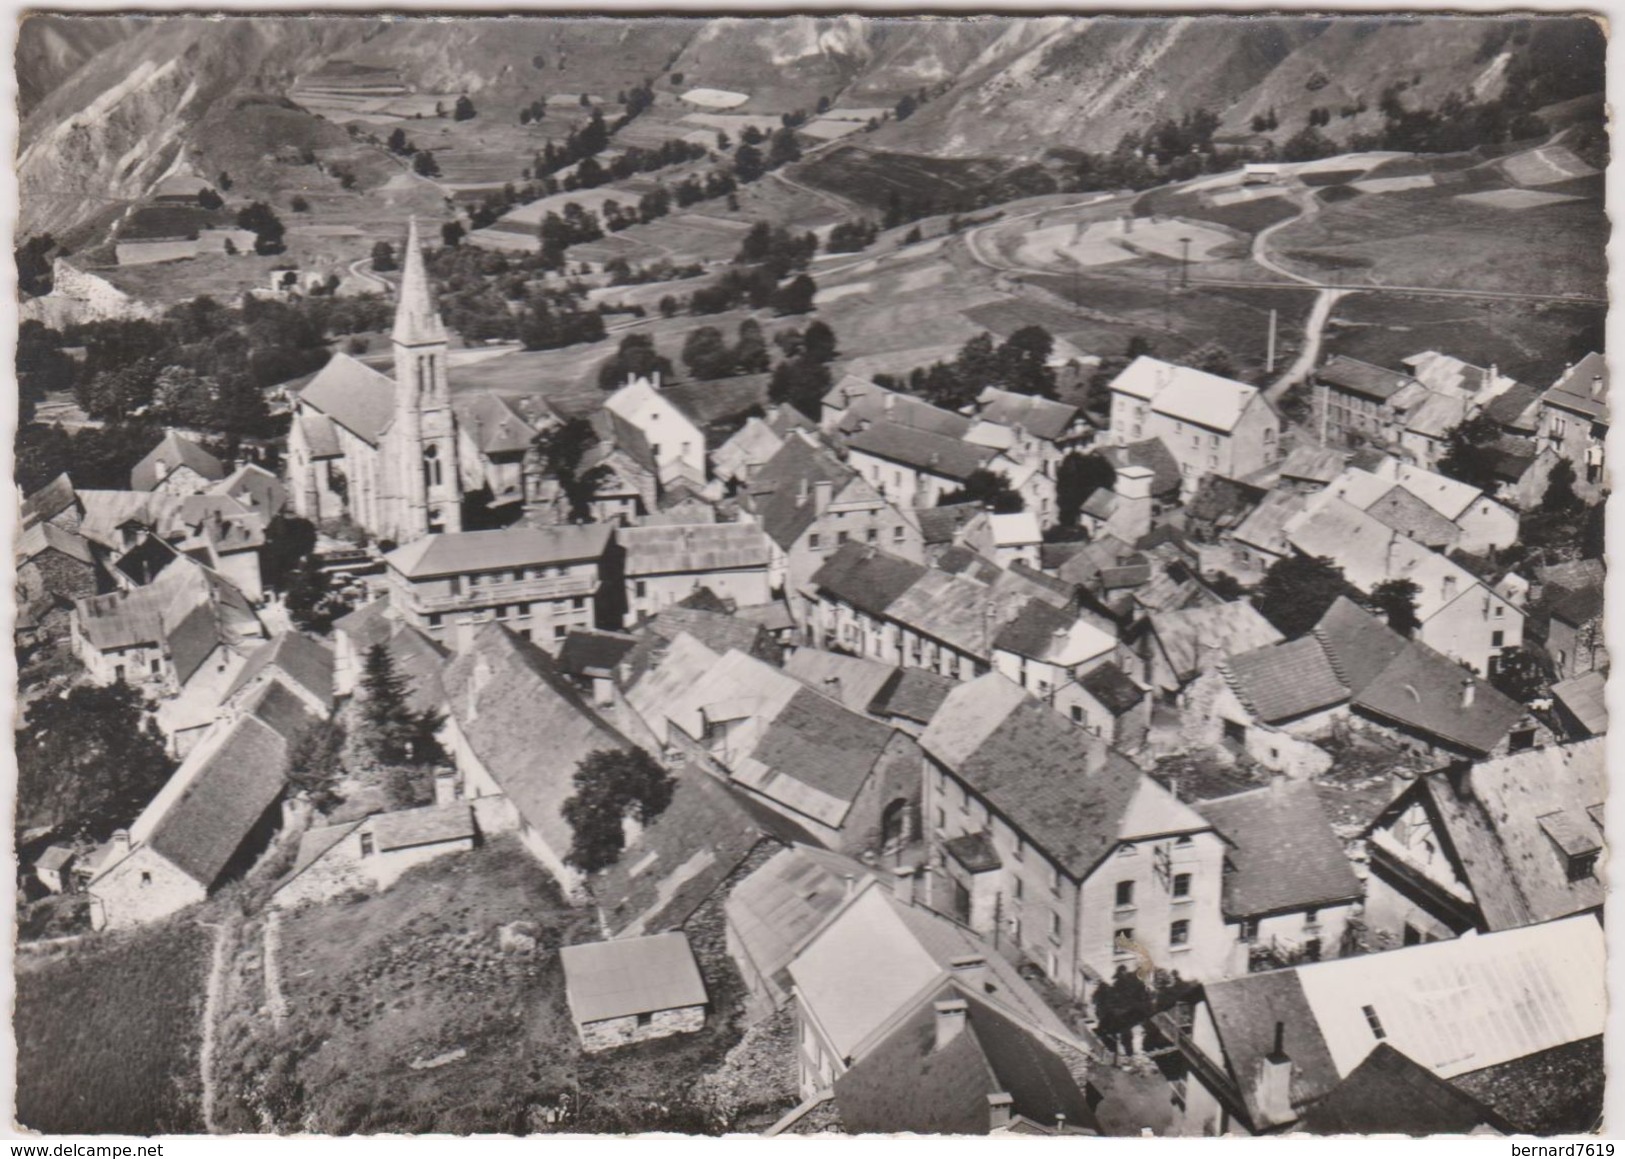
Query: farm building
point(374, 851)
point(633, 990)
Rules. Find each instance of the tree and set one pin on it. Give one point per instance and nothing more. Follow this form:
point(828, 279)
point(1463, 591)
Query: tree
point(383, 257)
point(1522, 674)
point(818, 343)
point(452, 234)
point(989, 488)
point(1469, 453)
point(748, 164)
point(310, 600)
point(802, 383)
point(706, 354)
point(1297, 591)
point(88, 761)
point(224, 181)
point(612, 786)
point(637, 358)
point(1395, 600)
point(1559, 499)
point(393, 731)
point(1078, 477)
point(289, 540)
point(398, 143)
point(1213, 359)
point(1024, 362)
point(750, 354)
point(795, 296)
point(464, 110)
point(267, 227)
point(208, 199)
point(314, 764)
point(904, 108)
point(561, 450)
point(424, 164)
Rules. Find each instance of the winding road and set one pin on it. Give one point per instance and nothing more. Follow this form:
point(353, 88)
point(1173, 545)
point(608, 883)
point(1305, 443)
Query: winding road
point(1314, 327)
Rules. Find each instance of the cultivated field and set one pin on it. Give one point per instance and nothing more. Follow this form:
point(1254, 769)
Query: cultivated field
point(108, 1035)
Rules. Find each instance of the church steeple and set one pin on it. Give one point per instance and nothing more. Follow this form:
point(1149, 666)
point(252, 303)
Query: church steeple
point(417, 322)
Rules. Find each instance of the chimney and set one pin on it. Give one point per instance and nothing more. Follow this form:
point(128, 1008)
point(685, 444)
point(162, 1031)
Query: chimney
point(951, 1013)
point(1272, 1089)
point(1469, 687)
point(445, 787)
point(888, 402)
point(998, 1110)
point(1131, 519)
point(1449, 588)
point(802, 490)
point(832, 687)
point(823, 494)
point(1597, 387)
point(903, 883)
point(654, 379)
point(850, 882)
point(967, 963)
point(121, 842)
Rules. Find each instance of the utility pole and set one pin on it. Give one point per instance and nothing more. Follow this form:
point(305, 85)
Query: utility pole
point(1269, 358)
point(1184, 263)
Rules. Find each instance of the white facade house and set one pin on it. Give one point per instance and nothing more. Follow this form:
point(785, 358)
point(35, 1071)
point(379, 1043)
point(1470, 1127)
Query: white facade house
point(1212, 425)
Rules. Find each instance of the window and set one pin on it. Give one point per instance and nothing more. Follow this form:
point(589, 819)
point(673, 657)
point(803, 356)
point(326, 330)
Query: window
point(1054, 928)
point(1249, 930)
point(1582, 865)
point(1127, 851)
point(897, 535)
point(1234, 732)
point(1500, 611)
point(434, 619)
point(1125, 894)
point(1020, 851)
point(1020, 890)
point(1373, 1021)
point(1123, 941)
point(1077, 714)
point(157, 665)
point(1177, 1089)
point(1179, 933)
point(645, 1019)
point(812, 541)
point(643, 589)
point(502, 611)
point(1311, 949)
point(1054, 879)
point(942, 820)
point(872, 535)
point(840, 538)
point(146, 877)
point(1182, 885)
point(579, 603)
point(1497, 639)
point(366, 845)
point(964, 798)
point(1184, 842)
point(1521, 739)
point(560, 631)
point(1412, 937)
point(1311, 919)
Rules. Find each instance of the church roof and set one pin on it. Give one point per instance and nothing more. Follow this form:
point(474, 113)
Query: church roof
point(417, 322)
point(354, 395)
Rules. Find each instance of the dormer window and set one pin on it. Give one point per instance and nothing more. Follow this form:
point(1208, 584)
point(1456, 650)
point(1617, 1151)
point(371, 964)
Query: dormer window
point(1582, 866)
point(1373, 1022)
point(1575, 841)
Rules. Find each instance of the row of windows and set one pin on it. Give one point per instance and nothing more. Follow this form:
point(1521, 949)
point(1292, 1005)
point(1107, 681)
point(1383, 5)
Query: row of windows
point(872, 535)
point(514, 611)
point(1123, 944)
point(1179, 887)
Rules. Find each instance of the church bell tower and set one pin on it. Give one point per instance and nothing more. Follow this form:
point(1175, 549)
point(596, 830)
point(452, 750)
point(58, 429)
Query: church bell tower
point(423, 435)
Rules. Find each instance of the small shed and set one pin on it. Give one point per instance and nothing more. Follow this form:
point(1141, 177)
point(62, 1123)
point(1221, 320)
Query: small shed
point(54, 868)
point(633, 989)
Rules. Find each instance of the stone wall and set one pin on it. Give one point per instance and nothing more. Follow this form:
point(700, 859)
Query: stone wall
point(613, 1032)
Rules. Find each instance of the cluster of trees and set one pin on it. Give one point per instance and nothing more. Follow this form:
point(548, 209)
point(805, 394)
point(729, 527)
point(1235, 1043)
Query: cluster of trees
point(34, 256)
point(464, 109)
point(850, 237)
point(552, 320)
point(751, 162)
point(691, 190)
point(558, 232)
point(423, 162)
point(267, 227)
point(578, 145)
point(623, 273)
point(637, 356)
point(708, 355)
point(613, 786)
point(776, 248)
point(1170, 150)
point(989, 488)
point(590, 173)
point(1020, 363)
point(803, 376)
point(562, 449)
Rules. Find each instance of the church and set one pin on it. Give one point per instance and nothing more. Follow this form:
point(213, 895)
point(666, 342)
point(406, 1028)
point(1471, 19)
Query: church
point(380, 451)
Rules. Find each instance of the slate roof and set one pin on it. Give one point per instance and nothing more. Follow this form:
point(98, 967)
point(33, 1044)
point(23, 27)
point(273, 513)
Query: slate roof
point(591, 653)
point(428, 825)
point(255, 488)
point(512, 705)
point(321, 436)
point(174, 451)
point(192, 639)
point(1390, 1094)
point(461, 552)
point(1510, 408)
point(1245, 1012)
point(1184, 393)
point(316, 843)
point(1578, 390)
point(939, 525)
point(306, 662)
point(629, 976)
point(1422, 690)
point(1584, 697)
point(1437, 416)
point(354, 395)
point(679, 860)
point(368, 625)
point(1281, 682)
point(1283, 854)
point(852, 681)
point(49, 501)
point(907, 1084)
point(493, 425)
point(867, 402)
point(1042, 417)
point(942, 455)
point(1358, 645)
point(1264, 527)
point(43, 537)
point(1362, 377)
point(974, 851)
point(1312, 463)
point(1500, 816)
point(869, 579)
point(719, 631)
point(775, 489)
point(1064, 789)
point(693, 547)
point(1112, 687)
point(912, 694)
point(1403, 511)
point(777, 908)
point(1550, 1092)
point(814, 757)
point(1190, 633)
point(1152, 454)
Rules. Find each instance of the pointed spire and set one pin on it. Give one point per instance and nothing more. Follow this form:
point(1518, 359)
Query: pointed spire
point(417, 322)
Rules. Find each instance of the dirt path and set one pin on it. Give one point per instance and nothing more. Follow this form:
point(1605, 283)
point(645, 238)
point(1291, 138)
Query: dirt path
point(274, 997)
point(211, 1012)
point(1314, 327)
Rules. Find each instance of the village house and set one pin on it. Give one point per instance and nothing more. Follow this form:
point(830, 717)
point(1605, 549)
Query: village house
point(651, 427)
point(1169, 650)
point(1125, 510)
point(1351, 401)
point(493, 442)
point(1390, 1094)
point(1257, 1052)
point(543, 581)
point(851, 681)
point(910, 698)
point(853, 404)
point(256, 489)
point(1574, 423)
point(55, 567)
point(382, 451)
point(810, 503)
point(1044, 648)
point(1056, 847)
point(1005, 539)
point(1581, 704)
point(1565, 616)
point(516, 730)
point(1106, 703)
point(56, 503)
point(371, 853)
point(1491, 845)
point(217, 811)
point(633, 990)
point(299, 663)
point(1210, 424)
point(738, 459)
point(1289, 890)
point(1044, 430)
point(665, 563)
point(912, 467)
point(1434, 509)
point(177, 466)
point(593, 660)
point(874, 963)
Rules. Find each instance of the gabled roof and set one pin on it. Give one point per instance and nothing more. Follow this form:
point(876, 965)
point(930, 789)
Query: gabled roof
point(1042, 417)
point(1152, 454)
point(1401, 510)
point(493, 425)
point(1041, 631)
point(1280, 682)
point(777, 908)
point(511, 703)
point(1283, 852)
point(909, 1084)
point(776, 488)
point(426, 825)
point(693, 547)
point(679, 860)
point(1515, 408)
point(869, 579)
point(1312, 463)
point(173, 452)
point(460, 552)
point(1390, 1094)
point(750, 446)
point(1190, 634)
point(354, 395)
point(306, 662)
point(1112, 687)
point(631, 976)
point(1582, 389)
point(594, 653)
point(852, 681)
point(912, 694)
point(1424, 690)
point(1358, 644)
point(688, 692)
point(192, 639)
point(1246, 1011)
point(1436, 417)
point(942, 455)
point(1362, 377)
point(43, 537)
point(866, 402)
point(255, 488)
point(1550, 1092)
point(719, 631)
point(1504, 818)
point(814, 757)
point(1584, 697)
point(1184, 393)
point(49, 501)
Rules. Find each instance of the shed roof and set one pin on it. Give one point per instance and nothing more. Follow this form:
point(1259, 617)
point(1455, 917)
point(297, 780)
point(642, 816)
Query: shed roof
point(1112, 687)
point(1585, 698)
point(593, 653)
point(631, 976)
point(1283, 851)
point(43, 537)
point(428, 825)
